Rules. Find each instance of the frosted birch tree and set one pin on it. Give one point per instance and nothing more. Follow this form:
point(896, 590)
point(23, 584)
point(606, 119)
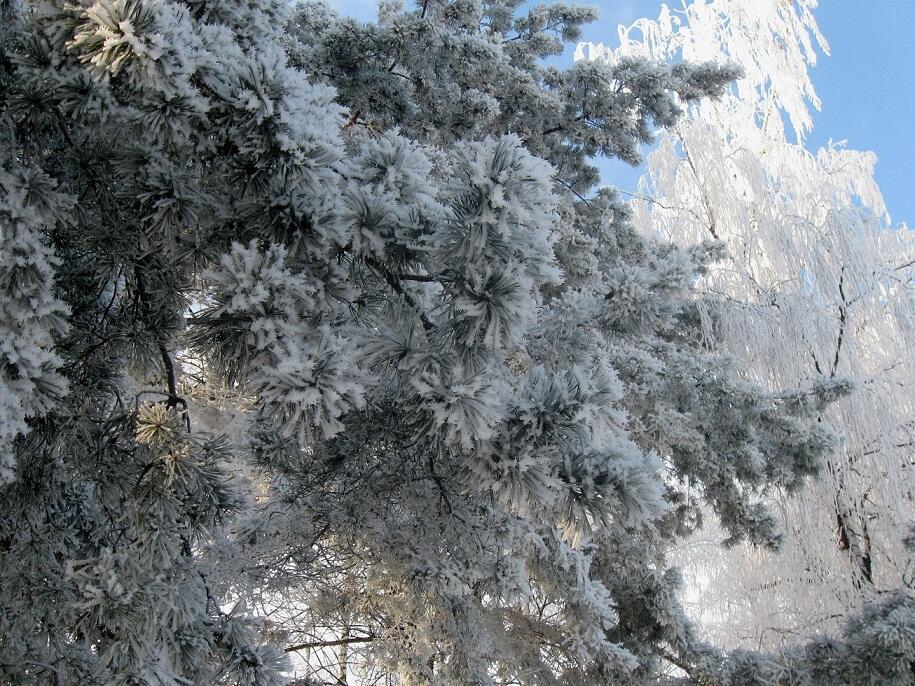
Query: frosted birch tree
point(817, 284)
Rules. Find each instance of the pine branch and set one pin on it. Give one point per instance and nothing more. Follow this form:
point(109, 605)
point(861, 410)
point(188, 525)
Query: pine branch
point(392, 280)
point(174, 400)
point(422, 278)
point(682, 664)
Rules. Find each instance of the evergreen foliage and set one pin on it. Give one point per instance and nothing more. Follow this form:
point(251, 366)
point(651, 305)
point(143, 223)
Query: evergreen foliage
point(322, 339)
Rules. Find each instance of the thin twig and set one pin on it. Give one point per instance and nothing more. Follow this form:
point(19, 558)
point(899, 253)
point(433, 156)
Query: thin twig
point(329, 644)
point(391, 279)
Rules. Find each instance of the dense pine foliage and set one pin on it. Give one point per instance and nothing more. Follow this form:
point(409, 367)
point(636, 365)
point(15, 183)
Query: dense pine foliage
point(317, 336)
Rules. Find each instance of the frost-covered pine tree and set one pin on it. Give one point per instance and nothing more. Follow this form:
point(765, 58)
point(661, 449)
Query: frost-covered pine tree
point(323, 343)
point(820, 285)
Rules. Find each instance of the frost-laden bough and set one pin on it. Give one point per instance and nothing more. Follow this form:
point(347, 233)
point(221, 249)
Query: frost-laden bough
point(317, 340)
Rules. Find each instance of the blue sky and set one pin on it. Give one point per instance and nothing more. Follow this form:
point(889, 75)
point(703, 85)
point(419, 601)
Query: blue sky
point(867, 84)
